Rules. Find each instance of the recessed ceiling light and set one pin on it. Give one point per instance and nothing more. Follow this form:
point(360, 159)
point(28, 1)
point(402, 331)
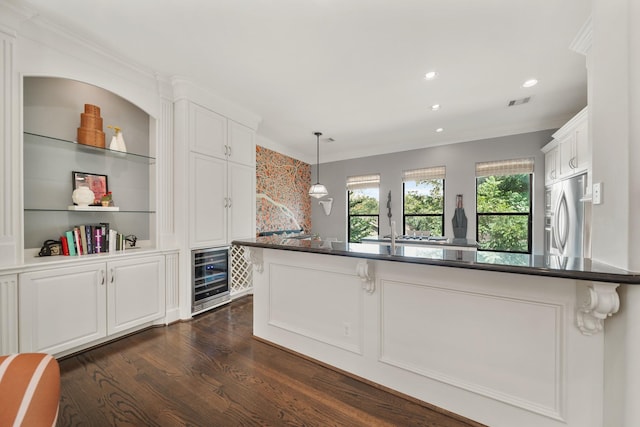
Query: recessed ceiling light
point(439, 130)
point(530, 83)
point(435, 107)
point(430, 75)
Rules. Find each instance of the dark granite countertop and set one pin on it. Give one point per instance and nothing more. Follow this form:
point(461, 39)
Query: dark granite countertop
point(536, 265)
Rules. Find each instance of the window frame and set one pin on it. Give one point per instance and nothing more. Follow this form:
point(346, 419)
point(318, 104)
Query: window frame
point(529, 215)
point(405, 215)
point(349, 215)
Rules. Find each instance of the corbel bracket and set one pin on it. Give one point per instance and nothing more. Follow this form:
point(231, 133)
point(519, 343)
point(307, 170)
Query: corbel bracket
point(368, 282)
point(254, 257)
point(595, 302)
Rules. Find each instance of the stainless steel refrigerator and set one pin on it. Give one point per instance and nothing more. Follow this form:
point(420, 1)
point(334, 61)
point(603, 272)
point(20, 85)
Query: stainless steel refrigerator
point(568, 220)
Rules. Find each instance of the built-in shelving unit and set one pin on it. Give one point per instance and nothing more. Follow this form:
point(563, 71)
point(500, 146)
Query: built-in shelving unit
point(51, 156)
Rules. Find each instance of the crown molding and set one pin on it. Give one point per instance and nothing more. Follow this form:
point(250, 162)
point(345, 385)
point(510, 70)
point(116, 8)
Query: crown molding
point(185, 89)
point(584, 39)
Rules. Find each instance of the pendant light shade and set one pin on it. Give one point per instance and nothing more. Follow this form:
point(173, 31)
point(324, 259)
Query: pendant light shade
point(318, 190)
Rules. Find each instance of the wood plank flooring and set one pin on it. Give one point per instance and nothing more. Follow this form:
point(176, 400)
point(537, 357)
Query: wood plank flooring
point(211, 372)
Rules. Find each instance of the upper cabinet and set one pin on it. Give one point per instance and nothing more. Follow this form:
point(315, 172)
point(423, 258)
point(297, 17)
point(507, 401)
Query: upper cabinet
point(215, 177)
point(241, 144)
point(207, 132)
point(551, 162)
point(569, 153)
point(215, 135)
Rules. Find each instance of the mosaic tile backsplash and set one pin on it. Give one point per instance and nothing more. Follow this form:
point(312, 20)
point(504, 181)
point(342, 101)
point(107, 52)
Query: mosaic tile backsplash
point(282, 186)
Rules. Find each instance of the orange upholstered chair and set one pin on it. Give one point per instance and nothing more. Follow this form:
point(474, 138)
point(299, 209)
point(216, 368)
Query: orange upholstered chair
point(29, 390)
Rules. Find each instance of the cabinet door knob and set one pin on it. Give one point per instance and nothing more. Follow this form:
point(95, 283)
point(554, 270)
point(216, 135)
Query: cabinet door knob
point(102, 277)
point(113, 275)
point(229, 202)
point(229, 151)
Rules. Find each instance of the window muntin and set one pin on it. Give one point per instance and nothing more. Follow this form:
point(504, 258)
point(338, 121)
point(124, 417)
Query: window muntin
point(503, 205)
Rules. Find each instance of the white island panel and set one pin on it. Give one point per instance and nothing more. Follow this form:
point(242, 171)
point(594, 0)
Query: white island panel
point(501, 349)
point(463, 339)
point(331, 320)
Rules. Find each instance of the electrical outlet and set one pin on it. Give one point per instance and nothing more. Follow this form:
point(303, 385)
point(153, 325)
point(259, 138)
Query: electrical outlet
point(346, 329)
point(597, 193)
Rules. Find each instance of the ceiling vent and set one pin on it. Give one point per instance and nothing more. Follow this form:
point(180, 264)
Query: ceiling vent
point(520, 101)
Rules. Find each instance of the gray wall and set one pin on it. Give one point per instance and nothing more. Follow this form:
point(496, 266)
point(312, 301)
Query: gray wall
point(459, 159)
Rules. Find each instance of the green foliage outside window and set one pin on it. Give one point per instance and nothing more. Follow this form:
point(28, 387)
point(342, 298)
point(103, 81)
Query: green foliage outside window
point(504, 212)
point(364, 210)
point(424, 206)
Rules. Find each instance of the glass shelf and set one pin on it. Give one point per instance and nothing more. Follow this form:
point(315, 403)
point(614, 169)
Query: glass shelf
point(106, 210)
point(73, 145)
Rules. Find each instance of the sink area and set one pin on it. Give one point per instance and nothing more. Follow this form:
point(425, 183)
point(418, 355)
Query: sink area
point(423, 238)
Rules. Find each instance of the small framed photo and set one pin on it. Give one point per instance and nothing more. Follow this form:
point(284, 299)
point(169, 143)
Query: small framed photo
point(96, 183)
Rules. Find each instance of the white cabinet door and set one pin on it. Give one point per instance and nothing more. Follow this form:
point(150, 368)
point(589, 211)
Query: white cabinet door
point(62, 308)
point(551, 166)
point(567, 148)
point(207, 131)
point(242, 198)
point(583, 149)
point(207, 201)
point(242, 145)
point(135, 292)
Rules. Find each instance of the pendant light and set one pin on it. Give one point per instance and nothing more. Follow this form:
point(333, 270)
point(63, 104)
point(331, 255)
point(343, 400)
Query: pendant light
point(318, 190)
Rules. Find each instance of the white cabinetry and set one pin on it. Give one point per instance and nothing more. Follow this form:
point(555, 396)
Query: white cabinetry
point(221, 173)
point(63, 308)
point(215, 135)
point(569, 153)
point(207, 200)
point(8, 313)
point(241, 144)
point(241, 222)
point(208, 132)
point(135, 292)
point(66, 308)
point(550, 162)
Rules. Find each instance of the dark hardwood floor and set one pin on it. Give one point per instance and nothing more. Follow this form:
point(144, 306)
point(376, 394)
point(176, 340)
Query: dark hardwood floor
point(211, 372)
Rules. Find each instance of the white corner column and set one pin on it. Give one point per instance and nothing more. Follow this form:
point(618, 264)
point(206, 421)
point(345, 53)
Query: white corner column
point(614, 106)
point(9, 159)
point(9, 314)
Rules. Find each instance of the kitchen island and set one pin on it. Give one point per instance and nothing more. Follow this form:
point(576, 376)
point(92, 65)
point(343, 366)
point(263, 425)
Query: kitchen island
point(503, 339)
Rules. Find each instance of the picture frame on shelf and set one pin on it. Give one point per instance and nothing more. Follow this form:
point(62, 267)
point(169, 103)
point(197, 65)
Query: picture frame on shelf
point(97, 183)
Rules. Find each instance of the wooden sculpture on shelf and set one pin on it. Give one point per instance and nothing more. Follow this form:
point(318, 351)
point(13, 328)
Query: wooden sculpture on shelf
point(90, 130)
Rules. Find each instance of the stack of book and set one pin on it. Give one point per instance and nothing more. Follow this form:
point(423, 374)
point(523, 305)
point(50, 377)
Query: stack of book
point(91, 239)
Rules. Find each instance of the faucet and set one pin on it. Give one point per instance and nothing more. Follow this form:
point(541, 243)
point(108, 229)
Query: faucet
point(393, 237)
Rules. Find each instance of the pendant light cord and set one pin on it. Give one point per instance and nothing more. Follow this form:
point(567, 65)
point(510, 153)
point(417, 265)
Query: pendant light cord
point(318, 157)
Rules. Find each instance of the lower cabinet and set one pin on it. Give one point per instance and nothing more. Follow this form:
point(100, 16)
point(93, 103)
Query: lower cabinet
point(65, 308)
point(135, 293)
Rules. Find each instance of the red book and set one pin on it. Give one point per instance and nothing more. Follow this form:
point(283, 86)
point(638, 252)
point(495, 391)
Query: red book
point(65, 245)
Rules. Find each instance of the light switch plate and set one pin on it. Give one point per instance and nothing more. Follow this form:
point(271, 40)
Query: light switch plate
point(597, 193)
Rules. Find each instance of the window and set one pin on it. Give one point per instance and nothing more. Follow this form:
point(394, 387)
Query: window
point(503, 205)
point(423, 201)
point(364, 206)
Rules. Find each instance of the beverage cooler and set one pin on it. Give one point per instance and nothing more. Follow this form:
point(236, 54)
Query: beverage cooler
point(210, 278)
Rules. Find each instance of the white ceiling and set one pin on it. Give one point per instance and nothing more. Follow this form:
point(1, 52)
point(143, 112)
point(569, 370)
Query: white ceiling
point(353, 69)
